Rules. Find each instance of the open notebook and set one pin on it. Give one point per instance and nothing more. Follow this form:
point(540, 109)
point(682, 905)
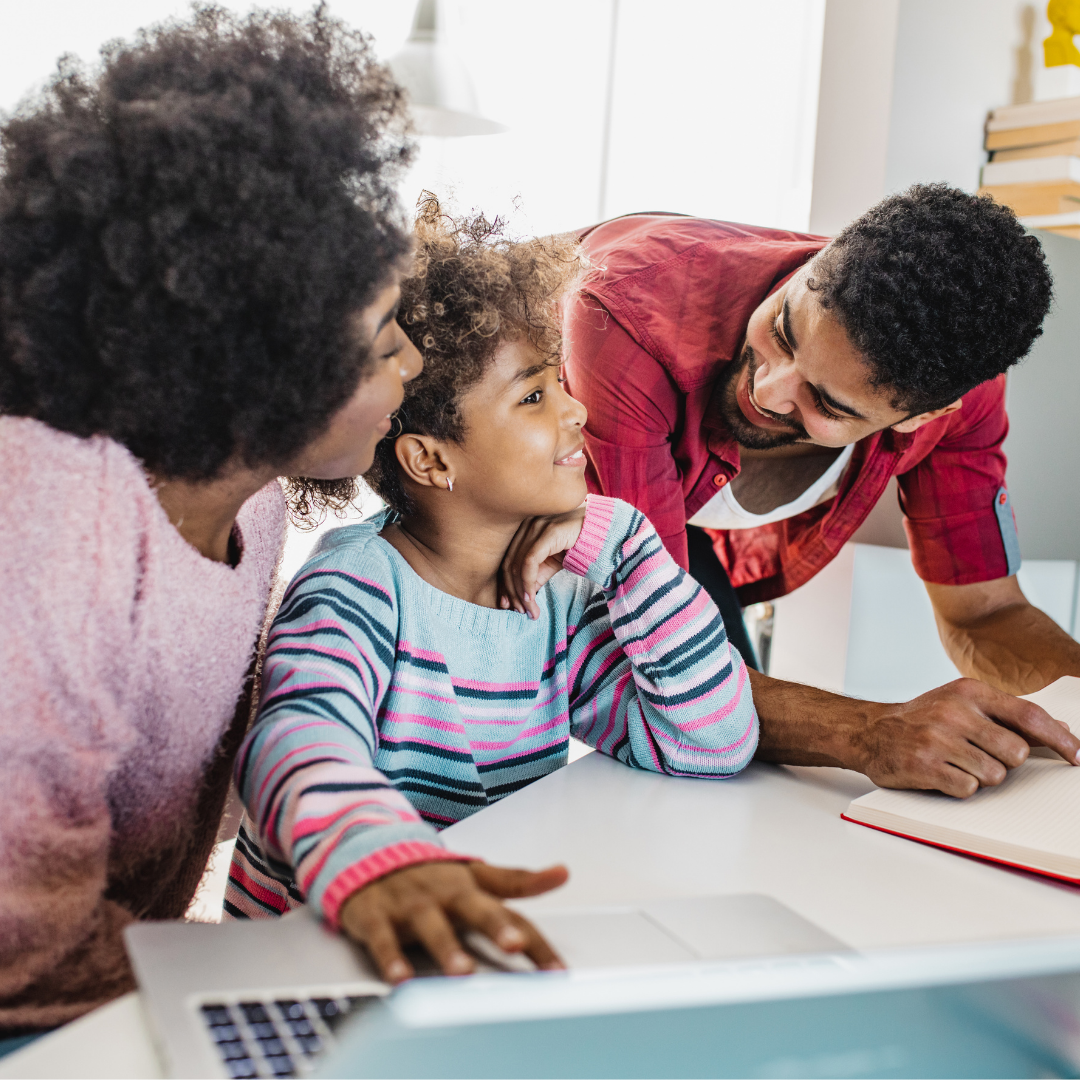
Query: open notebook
point(1031, 821)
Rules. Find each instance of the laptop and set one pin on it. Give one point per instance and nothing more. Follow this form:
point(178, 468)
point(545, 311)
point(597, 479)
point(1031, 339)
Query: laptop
point(988, 1009)
point(271, 997)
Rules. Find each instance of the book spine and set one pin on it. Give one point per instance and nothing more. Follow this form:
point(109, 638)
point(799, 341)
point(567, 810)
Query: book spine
point(1047, 170)
point(1040, 112)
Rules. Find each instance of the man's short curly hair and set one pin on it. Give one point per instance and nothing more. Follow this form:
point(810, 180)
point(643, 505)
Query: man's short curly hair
point(939, 290)
point(185, 234)
point(471, 289)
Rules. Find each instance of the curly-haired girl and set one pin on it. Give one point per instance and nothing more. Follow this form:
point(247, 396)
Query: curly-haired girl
point(428, 662)
point(199, 263)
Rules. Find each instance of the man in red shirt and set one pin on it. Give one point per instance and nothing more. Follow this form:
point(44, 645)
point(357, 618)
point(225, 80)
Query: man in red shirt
point(752, 391)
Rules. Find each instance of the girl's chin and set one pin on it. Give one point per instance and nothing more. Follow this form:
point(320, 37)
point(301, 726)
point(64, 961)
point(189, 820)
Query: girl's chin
point(562, 499)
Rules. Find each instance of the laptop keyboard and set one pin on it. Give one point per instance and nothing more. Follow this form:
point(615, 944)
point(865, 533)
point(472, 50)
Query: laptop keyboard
point(276, 1038)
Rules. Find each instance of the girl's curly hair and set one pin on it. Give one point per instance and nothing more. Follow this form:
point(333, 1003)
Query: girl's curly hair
point(472, 289)
point(185, 234)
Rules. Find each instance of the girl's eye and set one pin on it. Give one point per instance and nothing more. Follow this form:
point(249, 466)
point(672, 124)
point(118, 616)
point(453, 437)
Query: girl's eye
point(533, 398)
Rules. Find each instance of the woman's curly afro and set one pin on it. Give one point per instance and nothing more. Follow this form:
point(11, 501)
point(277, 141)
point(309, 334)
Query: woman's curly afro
point(939, 290)
point(184, 236)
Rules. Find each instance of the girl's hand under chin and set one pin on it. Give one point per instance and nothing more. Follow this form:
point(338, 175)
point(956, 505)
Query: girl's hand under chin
point(534, 556)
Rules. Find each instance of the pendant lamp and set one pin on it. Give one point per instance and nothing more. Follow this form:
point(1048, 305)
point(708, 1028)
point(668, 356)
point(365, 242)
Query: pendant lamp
point(440, 91)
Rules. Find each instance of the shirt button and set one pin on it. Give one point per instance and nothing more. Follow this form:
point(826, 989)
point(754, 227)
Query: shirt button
point(719, 479)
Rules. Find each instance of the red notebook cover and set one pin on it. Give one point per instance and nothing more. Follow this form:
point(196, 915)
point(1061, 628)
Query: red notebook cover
point(963, 851)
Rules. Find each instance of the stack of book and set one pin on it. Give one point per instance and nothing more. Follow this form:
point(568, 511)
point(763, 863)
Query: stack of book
point(1035, 163)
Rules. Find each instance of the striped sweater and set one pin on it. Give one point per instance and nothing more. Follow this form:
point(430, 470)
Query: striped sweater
point(391, 710)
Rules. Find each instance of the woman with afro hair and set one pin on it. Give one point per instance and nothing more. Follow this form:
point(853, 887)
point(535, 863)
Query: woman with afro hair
point(199, 258)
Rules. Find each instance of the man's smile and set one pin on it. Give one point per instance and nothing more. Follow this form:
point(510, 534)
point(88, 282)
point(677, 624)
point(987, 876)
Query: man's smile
point(745, 400)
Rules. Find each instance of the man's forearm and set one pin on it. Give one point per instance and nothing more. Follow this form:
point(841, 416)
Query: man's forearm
point(802, 725)
point(1018, 649)
point(954, 739)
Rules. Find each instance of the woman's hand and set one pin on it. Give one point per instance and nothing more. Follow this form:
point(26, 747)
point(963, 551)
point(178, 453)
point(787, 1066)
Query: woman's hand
point(534, 556)
point(425, 903)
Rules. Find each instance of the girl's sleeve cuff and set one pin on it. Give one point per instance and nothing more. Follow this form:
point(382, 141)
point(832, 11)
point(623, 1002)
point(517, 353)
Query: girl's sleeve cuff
point(589, 546)
point(376, 865)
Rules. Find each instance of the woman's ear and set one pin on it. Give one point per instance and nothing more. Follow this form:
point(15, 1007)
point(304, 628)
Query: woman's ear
point(423, 460)
point(913, 423)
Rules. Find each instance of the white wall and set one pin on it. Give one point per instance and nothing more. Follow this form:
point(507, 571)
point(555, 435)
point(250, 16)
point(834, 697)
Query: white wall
point(955, 62)
point(905, 89)
point(33, 33)
point(713, 113)
point(852, 130)
point(713, 110)
point(715, 107)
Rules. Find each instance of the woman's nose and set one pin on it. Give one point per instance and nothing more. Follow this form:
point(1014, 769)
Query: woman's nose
point(412, 363)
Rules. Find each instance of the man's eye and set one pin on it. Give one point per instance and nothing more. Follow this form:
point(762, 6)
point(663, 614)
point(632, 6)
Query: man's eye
point(533, 398)
point(778, 339)
point(825, 410)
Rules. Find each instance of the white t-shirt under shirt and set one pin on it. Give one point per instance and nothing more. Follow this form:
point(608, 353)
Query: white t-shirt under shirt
point(723, 511)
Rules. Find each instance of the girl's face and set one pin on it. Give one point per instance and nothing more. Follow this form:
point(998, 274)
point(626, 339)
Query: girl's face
point(347, 446)
point(524, 452)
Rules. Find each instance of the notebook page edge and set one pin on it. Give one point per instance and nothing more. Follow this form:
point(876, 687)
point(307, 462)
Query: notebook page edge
point(1041, 861)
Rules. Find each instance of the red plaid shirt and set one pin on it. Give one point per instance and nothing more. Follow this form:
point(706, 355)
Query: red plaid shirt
point(667, 308)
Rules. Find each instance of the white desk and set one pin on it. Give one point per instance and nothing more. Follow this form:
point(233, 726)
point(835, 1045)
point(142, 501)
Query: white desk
point(630, 836)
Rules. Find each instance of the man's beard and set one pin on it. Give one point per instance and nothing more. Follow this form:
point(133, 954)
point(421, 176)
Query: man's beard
point(746, 434)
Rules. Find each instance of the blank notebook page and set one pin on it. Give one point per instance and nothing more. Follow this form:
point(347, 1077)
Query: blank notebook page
point(1037, 807)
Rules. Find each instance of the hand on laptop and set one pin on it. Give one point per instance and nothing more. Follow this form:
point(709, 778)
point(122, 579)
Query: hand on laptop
point(425, 902)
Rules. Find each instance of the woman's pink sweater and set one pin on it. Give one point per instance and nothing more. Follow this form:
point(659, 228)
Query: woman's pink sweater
point(123, 654)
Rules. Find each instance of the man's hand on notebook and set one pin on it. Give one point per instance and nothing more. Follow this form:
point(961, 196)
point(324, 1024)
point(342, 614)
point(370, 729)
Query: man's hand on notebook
point(428, 902)
point(956, 738)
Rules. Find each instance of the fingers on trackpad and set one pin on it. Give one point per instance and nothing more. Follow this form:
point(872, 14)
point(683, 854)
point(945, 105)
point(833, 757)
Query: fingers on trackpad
point(739, 926)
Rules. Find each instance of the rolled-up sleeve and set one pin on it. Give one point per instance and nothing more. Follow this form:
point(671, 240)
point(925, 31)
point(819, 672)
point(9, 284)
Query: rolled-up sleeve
point(949, 497)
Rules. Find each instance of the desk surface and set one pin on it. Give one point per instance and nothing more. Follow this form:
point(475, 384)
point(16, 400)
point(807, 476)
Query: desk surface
point(630, 836)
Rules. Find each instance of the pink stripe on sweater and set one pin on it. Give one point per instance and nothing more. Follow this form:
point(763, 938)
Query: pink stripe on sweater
point(421, 654)
point(421, 720)
point(241, 876)
point(494, 687)
point(281, 762)
point(306, 576)
point(599, 512)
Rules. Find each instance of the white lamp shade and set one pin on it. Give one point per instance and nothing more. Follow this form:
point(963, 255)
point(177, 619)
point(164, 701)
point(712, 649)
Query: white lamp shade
point(440, 91)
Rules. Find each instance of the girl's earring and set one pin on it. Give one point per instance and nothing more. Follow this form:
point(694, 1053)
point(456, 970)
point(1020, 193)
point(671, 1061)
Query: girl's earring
point(396, 427)
point(449, 484)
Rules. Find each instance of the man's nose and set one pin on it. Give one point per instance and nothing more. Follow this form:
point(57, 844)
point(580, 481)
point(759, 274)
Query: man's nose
point(775, 385)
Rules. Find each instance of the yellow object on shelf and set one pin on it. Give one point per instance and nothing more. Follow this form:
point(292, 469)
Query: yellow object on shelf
point(1059, 48)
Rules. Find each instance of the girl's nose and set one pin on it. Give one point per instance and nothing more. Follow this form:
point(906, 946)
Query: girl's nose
point(577, 414)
